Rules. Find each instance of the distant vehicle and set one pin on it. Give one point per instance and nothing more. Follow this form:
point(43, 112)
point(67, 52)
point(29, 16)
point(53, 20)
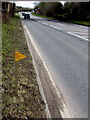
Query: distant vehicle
point(25, 15)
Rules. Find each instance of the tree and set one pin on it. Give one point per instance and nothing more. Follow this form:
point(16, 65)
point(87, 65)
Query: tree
point(77, 10)
point(50, 8)
point(70, 10)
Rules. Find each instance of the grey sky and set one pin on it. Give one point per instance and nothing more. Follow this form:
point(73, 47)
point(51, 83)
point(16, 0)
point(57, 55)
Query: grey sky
point(29, 4)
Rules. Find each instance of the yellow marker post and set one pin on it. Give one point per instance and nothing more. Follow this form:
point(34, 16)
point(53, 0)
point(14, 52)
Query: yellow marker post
point(18, 56)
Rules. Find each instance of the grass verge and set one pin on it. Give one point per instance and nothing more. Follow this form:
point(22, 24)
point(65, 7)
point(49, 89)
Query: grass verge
point(42, 16)
point(28, 104)
point(85, 23)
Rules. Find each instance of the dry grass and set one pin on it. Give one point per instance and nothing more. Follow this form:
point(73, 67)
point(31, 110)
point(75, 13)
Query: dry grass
point(28, 104)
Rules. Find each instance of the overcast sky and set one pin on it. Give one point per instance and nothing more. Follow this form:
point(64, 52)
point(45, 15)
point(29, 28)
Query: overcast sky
point(29, 4)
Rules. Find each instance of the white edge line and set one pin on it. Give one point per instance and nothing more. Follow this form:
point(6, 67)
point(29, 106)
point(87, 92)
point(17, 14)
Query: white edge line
point(77, 36)
point(38, 79)
point(65, 113)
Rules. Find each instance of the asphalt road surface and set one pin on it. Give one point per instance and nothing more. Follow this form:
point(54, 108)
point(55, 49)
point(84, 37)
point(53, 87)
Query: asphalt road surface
point(66, 57)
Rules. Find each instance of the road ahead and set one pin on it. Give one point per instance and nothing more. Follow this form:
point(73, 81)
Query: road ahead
point(66, 57)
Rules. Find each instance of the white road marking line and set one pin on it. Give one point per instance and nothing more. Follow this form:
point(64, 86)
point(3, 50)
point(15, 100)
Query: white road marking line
point(67, 32)
point(54, 27)
point(49, 25)
point(39, 21)
point(65, 113)
point(86, 33)
point(77, 36)
point(44, 23)
point(38, 79)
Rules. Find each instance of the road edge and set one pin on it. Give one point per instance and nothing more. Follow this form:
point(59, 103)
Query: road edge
point(65, 113)
point(38, 78)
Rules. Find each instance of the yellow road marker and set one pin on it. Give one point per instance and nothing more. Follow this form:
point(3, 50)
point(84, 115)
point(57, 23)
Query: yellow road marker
point(19, 56)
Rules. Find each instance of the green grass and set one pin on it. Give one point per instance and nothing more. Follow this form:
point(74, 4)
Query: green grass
point(70, 21)
point(79, 22)
point(28, 103)
point(17, 15)
point(42, 16)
